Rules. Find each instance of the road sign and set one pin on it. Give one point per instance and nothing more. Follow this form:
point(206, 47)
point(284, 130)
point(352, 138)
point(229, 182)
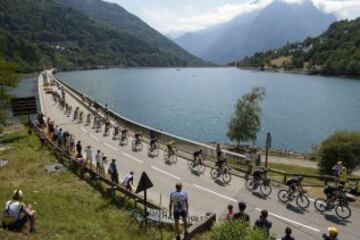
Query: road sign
point(23, 106)
point(144, 183)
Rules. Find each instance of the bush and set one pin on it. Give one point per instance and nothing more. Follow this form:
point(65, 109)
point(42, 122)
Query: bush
point(238, 230)
point(341, 146)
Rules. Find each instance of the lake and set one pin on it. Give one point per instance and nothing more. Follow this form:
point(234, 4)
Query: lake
point(197, 103)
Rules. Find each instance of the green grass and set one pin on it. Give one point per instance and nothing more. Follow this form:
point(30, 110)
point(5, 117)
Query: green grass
point(67, 207)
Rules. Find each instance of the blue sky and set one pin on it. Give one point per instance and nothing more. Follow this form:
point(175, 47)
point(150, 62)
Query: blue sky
point(179, 16)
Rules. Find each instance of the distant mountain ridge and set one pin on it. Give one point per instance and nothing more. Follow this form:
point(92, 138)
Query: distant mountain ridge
point(272, 27)
point(45, 33)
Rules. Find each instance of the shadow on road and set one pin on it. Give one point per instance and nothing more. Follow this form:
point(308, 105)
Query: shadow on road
point(220, 183)
point(196, 173)
point(259, 195)
point(294, 209)
point(336, 220)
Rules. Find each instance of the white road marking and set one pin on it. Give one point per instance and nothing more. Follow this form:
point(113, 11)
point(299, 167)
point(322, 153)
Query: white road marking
point(291, 221)
point(164, 172)
point(111, 147)
point(131, 157)
point(215, 193)
point(94, 137)
point(84, 130)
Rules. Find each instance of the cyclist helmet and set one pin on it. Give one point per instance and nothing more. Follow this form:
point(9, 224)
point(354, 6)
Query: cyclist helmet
point(339, 162)
point(333, 231)
point(18, 194)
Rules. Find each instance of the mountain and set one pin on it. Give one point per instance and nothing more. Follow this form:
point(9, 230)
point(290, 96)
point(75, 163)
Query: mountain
point(116, 17)
point(272, 27)
point(334, 52)
point(42, 33)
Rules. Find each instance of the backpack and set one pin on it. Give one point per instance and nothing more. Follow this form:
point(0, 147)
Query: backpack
point(7, 219)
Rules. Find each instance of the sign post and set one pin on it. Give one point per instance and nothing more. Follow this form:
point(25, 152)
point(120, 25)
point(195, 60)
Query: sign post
point(144, 184)
point(23, 106)
point(267, 146)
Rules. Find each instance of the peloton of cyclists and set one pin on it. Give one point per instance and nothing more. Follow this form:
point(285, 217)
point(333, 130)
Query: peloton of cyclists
point(198, 157)
point(138, 138)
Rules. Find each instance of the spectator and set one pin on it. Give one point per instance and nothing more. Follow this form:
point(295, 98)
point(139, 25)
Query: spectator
point(343, 179)
point(88, 156)
point(241, 215)
point(230, 213)
point(78, 148)
point(218, 152)
point(60, 137)
point(180, 204)
point(337, 169)
point(113, 172)
point(55, 133)
point(98, 158)
point(333, 233)
point(71, 144)
point(129, 181)
point(263, 223)
point(288, 236)
point(16, 214)
point(103, 163)
point(247, 157)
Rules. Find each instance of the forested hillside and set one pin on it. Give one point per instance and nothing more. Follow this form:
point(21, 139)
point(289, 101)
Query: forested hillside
point(42, 33)
point(335, 52)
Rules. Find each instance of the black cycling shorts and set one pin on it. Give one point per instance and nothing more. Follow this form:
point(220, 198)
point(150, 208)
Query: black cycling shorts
point(177, 214)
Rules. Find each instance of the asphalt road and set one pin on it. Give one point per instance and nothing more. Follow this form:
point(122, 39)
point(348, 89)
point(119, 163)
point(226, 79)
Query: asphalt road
point(205, 193)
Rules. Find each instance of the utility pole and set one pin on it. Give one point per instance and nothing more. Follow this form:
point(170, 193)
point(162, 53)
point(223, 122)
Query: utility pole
point(267, 146)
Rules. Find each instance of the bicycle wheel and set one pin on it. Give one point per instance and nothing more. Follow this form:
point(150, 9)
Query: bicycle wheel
point(214, 173)
point(155, 152)
point(201, 168)
point(283, 195)
point(250, 184)
point(226, 177)
point(302, 201)
point(343, 211)
point(166, 155)
point(265, 189)
point(320, 205)
point(190, 164)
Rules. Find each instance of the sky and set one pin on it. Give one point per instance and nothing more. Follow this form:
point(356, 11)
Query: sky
point(174, 17)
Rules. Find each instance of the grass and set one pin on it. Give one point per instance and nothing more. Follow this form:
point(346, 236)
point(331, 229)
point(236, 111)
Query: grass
point(67, 207)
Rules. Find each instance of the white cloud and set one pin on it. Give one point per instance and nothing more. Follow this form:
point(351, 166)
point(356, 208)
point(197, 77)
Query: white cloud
point(341, 8)
point(166, 20)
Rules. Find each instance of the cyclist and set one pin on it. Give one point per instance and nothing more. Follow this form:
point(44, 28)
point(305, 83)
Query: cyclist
point(107, 127)
point(116, 130)
point(295, 184)
point(170, 147)
point(138, 138)
point(88, 118)
point(259, 173)
point(124, 133)
point(218, 152)
point(153, 143)
point(198, 156)
point(81, 116)
point(220, 164)
point(332, 193)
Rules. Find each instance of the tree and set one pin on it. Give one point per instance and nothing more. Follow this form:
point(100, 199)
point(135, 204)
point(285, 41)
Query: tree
point(246, 122)
point(341, 146)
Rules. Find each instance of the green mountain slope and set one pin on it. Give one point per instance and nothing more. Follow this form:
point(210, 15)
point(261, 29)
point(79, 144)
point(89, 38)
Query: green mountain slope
point(118, 18)
point(46, 33)
point(335, 52)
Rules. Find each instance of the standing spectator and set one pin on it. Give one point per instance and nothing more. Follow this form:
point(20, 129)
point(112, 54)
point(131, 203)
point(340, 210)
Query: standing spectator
point(180, 204)
point(230, 213)
point(129, 181)
point(241, 215)
point(343, 179)
point(55, 133)
point(16, 214)
point(98, 158)
point(247, 157)
point(48, 121)
point(103, 163)
point(88, 156)
point(71, 144)
point(288, 236)
point(263, 223)
point(78, 148)
point(113, 172)
point(258, 158)
point(51, 129)
point(333, 233)
point(60, 137)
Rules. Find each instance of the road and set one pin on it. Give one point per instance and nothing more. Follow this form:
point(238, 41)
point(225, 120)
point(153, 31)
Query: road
point(205, 193)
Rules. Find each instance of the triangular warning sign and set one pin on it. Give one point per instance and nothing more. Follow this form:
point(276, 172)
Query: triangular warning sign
point(144, 183)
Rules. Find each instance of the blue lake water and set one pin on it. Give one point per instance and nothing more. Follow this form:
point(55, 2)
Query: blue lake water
point(197, 103)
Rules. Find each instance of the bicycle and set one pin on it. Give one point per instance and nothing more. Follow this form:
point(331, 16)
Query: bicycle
point(137, 145)
point(196, 165)
point(170, 157)
point(263, 183)
point(288, 195)
point(123, 140)
point(153, 152)
point(340, 204)
point(221, 172)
